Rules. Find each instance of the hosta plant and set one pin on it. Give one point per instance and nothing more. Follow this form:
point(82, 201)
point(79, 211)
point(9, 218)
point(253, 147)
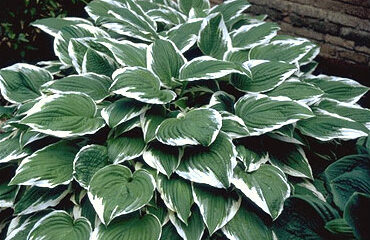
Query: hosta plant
point(170, 120)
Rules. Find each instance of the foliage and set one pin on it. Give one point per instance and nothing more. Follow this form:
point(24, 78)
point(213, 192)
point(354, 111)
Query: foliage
point(174, 120)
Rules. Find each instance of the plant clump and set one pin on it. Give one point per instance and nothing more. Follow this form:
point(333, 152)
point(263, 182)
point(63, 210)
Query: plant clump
point(176, 120)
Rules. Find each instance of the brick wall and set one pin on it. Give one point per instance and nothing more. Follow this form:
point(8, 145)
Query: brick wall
point(341, 27)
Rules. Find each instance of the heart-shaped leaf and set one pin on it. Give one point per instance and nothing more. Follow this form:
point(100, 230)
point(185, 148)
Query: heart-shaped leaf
point(288, 50)
point(146, 90)
point(115, 191)
point(198, 126)
point(59, 225)
point(326, 127)
point(135, 227)
point(217, 207)
point(177, 195)
point(254, 34)
point(297, 90)
point(94, 85)
point(88, 161)
point(64, 115)
point(21, 82)
point(184, 36)
point(211, 165)
point(206, 67)
point(337, 88)
point(263, 114)
point(263, 75)
point(267, 187)
point(48, 167)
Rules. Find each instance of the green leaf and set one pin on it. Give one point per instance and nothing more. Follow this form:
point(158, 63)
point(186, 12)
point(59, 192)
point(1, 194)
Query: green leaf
point(247, 225)
point(169, 232)
point(297, 90)
point(214, 39)
point(289, 50)
point(196, 127)
point(346, 110)
point(254, 34)
point(327, 127)
point(126, 53)
point(146, 90)
point(186, 5)
point(206, 67)
point(162, 157)
point(126, 147)
point(59, 225)
point(88, 161)
point(222, 101)
point(340, 226)
point(94, 85)
point(346, 164)
point(263, 75)
point(252, 160)
point(146, 227)
point(217, 207)
point(122, 110)
point(63, 37)
point(36, 199)
point(165, 60)
point(20, 226)
point(233, 125)
point(64, 115)
point(177, 195)
point(211, 165)
point(356, 215)
point(354, 179)
point(193, 230)
point(151, 120)
point(292, 160)
point(262, 114)
point(99, 63)
point(230, 9)
point(304, 218)
point(48, 167)
point(10, 150)
point(21, 82)
point(53, 25)
point(185, 35)
point(267, 187)
point(341, 89)
point(115, 191)
point(125, 127)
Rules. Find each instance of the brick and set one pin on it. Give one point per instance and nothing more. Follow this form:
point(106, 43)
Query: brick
point(339, 41)
point(328, 50)
point(303, 32)
point(363, 49)
point(357, 57)
point(359, 37)
point(364, 3)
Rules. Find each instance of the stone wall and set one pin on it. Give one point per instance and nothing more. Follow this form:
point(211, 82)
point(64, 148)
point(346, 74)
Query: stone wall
point(341, 27)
